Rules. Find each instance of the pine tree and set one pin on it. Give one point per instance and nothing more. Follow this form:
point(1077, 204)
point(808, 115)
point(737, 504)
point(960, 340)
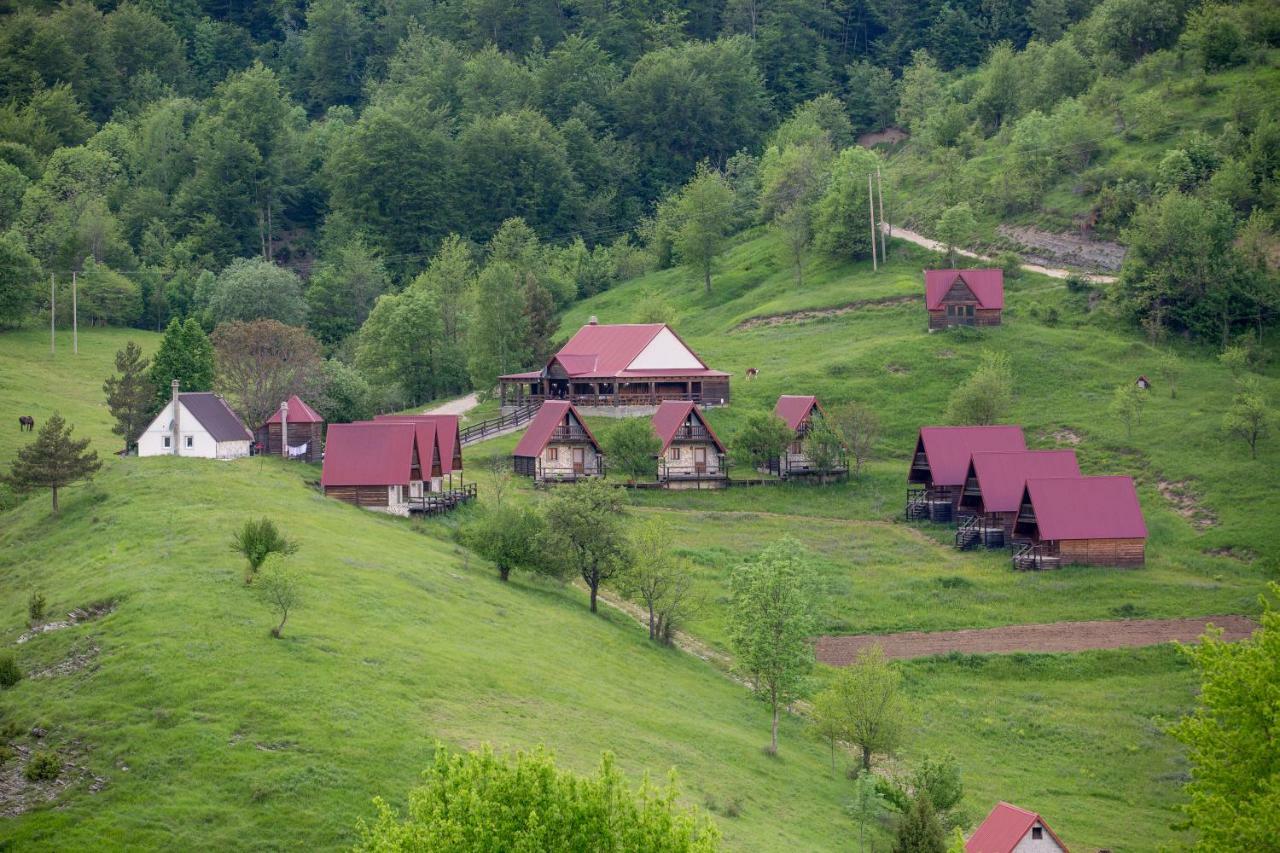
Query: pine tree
point(919, 830)
point(130, 396)
point(185, 354)
point(54, 459)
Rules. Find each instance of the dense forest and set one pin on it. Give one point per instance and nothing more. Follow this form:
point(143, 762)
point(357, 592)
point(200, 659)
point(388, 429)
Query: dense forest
point(423, 184)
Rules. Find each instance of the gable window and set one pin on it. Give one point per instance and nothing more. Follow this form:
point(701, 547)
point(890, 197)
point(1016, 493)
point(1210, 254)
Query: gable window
point(168, 441)
point(553, 454)
point(1037, 833)
point(675, 454)
point(190, 441)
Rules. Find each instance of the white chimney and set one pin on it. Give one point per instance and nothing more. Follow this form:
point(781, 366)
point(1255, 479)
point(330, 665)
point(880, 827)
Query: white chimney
point(177, 426)
point(284, 428)
point(593, 320)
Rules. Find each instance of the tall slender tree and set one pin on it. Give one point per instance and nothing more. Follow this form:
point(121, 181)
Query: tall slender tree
point(130, 396)
point(702, 214)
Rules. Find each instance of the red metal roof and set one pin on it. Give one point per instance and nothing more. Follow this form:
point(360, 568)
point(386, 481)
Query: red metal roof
point(551, 414)
point(671, 415)
point(299, 413)
point(606, 351)
point(1086, 508)
point(372, 453)
point(793, 409)
point(1004, 828)
point(444, 434)
point(950, 448)
point(1003, 474)
point(987, 286)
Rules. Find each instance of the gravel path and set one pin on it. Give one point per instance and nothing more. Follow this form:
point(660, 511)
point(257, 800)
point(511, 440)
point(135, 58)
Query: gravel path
point(460, 406)
point(1051, 272)
point(1051, 637)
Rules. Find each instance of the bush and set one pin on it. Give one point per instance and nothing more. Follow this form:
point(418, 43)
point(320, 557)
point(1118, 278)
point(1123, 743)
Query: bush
point(44, 766)
point(10, 673)
point(35, 608)
point(257, 540)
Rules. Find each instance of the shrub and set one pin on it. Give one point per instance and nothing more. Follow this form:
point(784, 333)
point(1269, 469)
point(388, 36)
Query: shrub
point(10, 673)
point(257, 540)
point(35, 608)
point(44, 766)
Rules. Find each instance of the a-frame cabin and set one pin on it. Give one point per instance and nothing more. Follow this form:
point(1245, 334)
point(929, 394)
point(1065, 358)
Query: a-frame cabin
point(964, 297)
point(558, 446)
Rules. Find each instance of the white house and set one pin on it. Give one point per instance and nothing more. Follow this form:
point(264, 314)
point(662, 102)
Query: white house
point(196, 423)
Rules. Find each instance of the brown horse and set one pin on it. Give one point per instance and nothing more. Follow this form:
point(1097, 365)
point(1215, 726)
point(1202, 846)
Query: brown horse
point(753, 372)
point(26, 423)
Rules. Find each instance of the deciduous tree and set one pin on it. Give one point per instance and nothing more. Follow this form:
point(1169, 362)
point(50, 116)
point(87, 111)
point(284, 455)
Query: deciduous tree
point(508, 535)
point(859, 426)
point(1127, 403)
point(659, 580)
point(956, 228)
point(762, 438)
point(872, 706)
point(278, 587)
point(632, 448)
point(19, 280)
point(131, 397)
point(53, 460)
point(257, 540)
point(1249, 418)
point(771, 623)
point(987, 395)
point(701, 214)
point(254, 289)
point(261, 363)
point(586, 533)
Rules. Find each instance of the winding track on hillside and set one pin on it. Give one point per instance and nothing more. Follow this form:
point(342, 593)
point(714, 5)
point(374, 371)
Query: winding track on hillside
point(1049, 637)
point(1052, 272)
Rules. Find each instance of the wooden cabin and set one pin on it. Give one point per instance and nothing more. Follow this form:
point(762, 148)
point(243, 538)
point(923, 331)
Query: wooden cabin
point(1093, 521)
point(442, 441)
point(935, 481)
point(993, 490)
point(373, 465)
point(558, 446)
point(692, 456)
point(1009, 829)
point(294, 431)
point(198, 424)
point(801, 414)
point(964, 297)
point(629, 364)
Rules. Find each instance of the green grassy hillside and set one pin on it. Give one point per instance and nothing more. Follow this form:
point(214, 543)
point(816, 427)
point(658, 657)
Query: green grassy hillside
point(206, 733)
point(36, 382)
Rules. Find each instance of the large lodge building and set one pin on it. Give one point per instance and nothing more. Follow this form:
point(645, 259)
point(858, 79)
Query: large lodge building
point(630, 364)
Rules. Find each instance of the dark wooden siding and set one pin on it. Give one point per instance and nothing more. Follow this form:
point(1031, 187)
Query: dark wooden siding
point(311, 433)
point(1103, 552)
point(367, 496)
point(982, 317)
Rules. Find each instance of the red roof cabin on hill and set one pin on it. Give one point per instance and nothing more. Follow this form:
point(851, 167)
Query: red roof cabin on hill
point(964, 297)
point(1086, 520)
point(692, 456)
point(295, 430)
point(941, 461)
point(442, 437)
point(558, 446)
point(801, 413)
point(993, 489)
point(1008, 829)
point(397, 464)
point(627, 364)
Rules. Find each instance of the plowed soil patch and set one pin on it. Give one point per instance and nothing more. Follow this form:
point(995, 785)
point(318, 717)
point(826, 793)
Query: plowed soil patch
point(1051, 637)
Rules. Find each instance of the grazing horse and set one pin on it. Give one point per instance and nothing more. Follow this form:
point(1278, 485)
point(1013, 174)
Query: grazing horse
point(753, 372)
point(26, 423)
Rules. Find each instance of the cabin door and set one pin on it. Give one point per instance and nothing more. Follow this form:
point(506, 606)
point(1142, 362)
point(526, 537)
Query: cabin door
point(699, 460)
point(579, 460)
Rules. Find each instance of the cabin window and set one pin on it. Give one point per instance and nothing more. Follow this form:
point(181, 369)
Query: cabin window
point(797, 447)
point(675, 454)
point(1037, 833)
point(168, 441)
point(189, 441)
point(553, 454)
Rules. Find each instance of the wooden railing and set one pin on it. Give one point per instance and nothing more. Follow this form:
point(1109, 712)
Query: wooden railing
point(437, 503)
point(623, 398)
point(493, 426)
point(1034, 558)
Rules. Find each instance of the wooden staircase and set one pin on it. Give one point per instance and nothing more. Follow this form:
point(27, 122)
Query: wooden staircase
point(1033, 558)
point(976, 530)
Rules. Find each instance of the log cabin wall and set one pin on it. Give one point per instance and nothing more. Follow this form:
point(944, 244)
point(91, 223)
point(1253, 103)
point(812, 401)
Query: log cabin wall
point(1103, 552)
point(370, 497)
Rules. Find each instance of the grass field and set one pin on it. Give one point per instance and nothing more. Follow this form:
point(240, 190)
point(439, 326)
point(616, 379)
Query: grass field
point(36, 382)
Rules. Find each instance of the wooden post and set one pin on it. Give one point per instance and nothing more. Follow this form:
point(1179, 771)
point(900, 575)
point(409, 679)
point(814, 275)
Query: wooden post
point(75, 322)
point(284, 429)
point(53, 315)
point(880, 187)
point(871, 212)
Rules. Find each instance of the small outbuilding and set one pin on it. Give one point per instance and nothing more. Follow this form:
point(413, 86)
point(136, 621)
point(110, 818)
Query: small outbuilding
point(1009, 829)
point(692, 456)
point(295, 431)
point(964, 297)
point(801, 414)
point(558, 446)
point(1086, 520)
point(940, 462)
point(196, 423)
point(993, 490)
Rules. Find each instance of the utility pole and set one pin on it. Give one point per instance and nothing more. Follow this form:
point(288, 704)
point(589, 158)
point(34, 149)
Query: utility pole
point(871, 212)
point(75, 321)
point(880, 187)
point(53, 315)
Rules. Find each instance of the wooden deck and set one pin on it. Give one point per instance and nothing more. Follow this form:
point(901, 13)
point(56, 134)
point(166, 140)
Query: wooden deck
point(438, 503)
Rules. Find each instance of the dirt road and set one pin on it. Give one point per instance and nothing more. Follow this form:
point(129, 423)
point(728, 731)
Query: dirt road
point(1051, 272)
point(1051, 637)
point(460, 406)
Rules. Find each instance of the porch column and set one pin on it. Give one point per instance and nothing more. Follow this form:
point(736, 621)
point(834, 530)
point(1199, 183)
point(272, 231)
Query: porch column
point(688, 389)
point(653, 391)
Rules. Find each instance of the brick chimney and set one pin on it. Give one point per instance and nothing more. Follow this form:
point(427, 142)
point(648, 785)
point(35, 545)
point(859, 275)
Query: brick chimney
point(284, 428)
point(177, 426)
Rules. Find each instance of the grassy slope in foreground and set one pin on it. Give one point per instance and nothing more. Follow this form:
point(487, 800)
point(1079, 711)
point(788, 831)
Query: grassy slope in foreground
point(36, 382)
point(235, 740)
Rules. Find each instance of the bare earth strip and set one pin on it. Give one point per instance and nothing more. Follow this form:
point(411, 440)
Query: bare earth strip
point(1051, 637)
